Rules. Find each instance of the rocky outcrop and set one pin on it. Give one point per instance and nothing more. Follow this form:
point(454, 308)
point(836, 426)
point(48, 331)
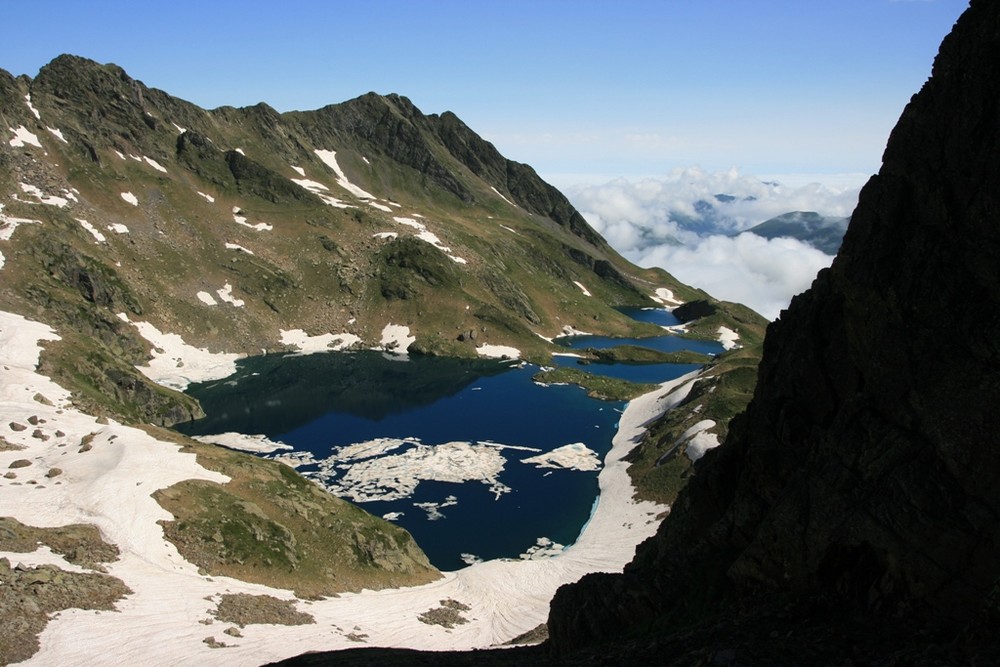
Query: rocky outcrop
point(861, 479)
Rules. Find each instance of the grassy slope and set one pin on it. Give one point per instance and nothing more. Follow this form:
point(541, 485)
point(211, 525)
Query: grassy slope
point(318, 269)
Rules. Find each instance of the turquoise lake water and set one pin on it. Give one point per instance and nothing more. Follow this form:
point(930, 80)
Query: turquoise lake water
point(322, 403)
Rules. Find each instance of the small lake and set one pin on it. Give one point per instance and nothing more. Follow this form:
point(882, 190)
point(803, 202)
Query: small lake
point(472, 457)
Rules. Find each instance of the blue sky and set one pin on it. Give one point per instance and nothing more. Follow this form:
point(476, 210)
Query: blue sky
point(581, 90)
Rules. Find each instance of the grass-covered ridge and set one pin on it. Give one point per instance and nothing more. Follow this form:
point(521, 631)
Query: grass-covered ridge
point(272, 526)
point(661, 463)
point(227, 227)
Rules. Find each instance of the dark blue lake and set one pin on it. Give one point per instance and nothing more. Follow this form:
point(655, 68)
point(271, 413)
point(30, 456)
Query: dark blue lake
point(474, 419)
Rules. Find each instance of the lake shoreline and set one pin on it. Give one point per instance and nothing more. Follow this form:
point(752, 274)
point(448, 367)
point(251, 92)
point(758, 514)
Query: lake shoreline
point(167, 620)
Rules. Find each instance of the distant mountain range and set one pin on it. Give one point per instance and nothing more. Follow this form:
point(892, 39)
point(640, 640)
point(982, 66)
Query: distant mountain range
point(822, 233)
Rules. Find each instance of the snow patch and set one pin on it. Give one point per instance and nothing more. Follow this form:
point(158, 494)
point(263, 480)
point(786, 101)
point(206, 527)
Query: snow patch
point(320, 191)
point(728, 338)
point(237, 247)
point(427, 236)
point(57, 133)
point(154, 164)
point(241, 219)
point(118, 228)
point(498, 352)
point(22, 137)
point(543, 548)
point(176, 364)
point(502, 197)
point(226, 294)
point(666, 297)
point(698, 439)
point(329, 158)
point(299, 170)
point(31, 107)
point(396, 338)
point(307, 344)
point(48, 200)
point(96, 233)
point(130, 198)
point(207, 299)
point(583, 289)
point(209, 198)
point(8, 224)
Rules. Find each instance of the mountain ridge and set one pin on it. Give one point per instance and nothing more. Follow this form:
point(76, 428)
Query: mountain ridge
point(134, 224)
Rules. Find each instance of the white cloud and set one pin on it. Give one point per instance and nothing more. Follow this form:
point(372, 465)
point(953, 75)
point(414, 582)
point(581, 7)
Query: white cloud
point(761, 273)
point(687, 222)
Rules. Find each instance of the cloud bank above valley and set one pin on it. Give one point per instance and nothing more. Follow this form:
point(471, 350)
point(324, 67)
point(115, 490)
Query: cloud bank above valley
point(690, 222)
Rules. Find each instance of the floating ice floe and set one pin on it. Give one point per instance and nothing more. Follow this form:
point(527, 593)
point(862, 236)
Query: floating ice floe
point(130, 198)
point(22, 137)
point(259, 444)
point(385, 476)
point(434, 509)
point(575, 456)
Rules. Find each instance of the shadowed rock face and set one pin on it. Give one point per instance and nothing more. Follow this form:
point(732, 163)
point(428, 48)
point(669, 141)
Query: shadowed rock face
point(865, 471)
point(853, 514)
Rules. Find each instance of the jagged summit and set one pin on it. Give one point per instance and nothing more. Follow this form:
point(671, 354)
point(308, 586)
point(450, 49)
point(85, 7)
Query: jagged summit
point(149, 243)
point(340, 220)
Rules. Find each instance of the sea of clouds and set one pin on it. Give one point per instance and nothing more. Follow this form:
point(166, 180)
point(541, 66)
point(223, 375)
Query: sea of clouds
point(690, 222)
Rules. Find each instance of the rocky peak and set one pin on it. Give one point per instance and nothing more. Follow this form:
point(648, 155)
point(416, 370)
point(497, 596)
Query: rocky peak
point(862, 477)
